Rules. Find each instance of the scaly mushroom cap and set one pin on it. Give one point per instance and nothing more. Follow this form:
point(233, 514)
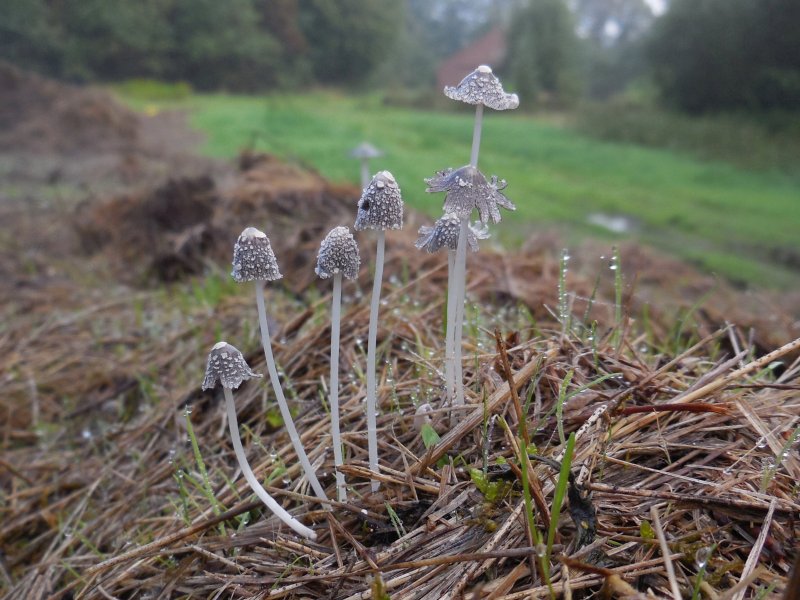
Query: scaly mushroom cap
point(482, 87)
point(338, 253)
point(365, 150)
point(226, 365)
point(381, 205)
point(253, 258)
point(468, 189)
point(444, 234)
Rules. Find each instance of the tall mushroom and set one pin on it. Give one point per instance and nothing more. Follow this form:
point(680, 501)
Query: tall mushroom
point(481, 88)
point(227, 365)
point(380, 208)
point(254, 260)
point(338, 256)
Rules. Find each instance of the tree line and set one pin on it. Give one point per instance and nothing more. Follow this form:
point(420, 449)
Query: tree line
point(700, 56)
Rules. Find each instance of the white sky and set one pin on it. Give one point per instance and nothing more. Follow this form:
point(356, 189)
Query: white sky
point(658, 6)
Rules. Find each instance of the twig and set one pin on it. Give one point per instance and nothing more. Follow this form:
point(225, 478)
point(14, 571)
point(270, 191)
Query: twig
point(662, 541)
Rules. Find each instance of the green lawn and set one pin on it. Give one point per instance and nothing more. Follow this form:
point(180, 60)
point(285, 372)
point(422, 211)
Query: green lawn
point(731, 221)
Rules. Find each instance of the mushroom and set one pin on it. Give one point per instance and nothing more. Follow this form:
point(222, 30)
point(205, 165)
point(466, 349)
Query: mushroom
point(444, 234)
point(380, 208)
point(467, 188)
point(227, 365)
point(338, 256)
point(363, 152)
point(254, 260)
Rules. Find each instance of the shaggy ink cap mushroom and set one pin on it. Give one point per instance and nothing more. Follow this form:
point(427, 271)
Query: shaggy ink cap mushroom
point(467, 189)
point(338, 253)
point(381, 205)
point(253, 258)
point(226, 365)
point(444, 234)
point(482, 87)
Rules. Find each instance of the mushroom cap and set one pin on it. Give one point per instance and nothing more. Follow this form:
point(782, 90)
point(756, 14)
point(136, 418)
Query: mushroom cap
point(381, 205)
point(338, 253)
point(445, 232)
point(365, 150)
point(483, 87)
point(468, 189)
point(226, 365)
point(253, 258)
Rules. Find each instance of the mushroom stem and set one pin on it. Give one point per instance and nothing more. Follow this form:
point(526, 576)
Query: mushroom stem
point(282, 404)
point(334, 386)
point(372, 417)
point(459, 285)
point(476, 135)
point(364, 173)
point(255, 485)
point(449, 368)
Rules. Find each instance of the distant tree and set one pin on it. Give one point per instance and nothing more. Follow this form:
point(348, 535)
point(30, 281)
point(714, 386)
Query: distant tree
point(28, 37)
point(113, 39)
point(543, 52)
point(613, 34)
point(712, 55)
point(349, 38)
point(222, 45)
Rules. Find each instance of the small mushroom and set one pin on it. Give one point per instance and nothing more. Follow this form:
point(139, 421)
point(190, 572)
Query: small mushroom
point(467, 189)
point(363, 152)
point(444, 234)
point(380, 208)
point(338, 256)
point(254, 260)
point(227, 366)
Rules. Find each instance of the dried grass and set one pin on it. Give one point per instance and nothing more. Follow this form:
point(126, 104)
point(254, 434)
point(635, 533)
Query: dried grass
point(96, 474)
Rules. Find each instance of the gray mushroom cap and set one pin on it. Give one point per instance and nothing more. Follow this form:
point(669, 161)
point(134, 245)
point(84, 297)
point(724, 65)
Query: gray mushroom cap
point(381, 205)
point(338, 253)
point(365, 150)
point(253, 258)
point(445, 232)
point(482, 87)
point(468, 189)
point(226, 365)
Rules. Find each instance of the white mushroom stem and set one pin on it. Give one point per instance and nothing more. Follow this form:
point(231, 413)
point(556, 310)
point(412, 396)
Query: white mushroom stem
point(364, 173)
point(372, 342)
point(459, 285)
point(449, 343)
point(255, 485)
point(334, 386)
point(282, 404)
point(476, 135)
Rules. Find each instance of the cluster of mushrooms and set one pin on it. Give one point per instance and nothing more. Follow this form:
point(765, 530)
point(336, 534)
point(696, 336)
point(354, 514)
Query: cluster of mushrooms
point(380, 208)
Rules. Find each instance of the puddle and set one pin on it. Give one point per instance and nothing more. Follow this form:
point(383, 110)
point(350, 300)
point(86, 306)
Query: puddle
point(612, 223)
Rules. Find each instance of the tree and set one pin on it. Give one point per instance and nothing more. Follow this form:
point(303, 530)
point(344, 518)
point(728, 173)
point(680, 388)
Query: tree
point(710, 55)
point(28, 37)
point(221, 44)
point(543, 61)
point(350, 37)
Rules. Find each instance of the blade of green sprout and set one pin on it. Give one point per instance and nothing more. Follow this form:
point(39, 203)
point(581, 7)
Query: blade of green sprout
point(560, 492)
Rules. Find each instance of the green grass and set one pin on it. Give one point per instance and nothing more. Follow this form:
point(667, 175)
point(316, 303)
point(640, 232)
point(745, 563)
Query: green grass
point(724, 218)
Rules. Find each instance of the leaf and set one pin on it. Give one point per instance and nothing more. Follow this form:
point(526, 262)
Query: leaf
point(429, 436)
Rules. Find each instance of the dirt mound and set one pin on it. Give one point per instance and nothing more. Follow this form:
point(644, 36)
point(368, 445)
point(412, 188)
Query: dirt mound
point(40, 115)
point(182, 224)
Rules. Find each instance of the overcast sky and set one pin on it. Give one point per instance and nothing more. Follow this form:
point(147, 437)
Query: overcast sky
point(658, 6)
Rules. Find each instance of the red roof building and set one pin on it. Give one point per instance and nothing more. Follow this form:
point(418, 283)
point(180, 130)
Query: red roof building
point(489, 49)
